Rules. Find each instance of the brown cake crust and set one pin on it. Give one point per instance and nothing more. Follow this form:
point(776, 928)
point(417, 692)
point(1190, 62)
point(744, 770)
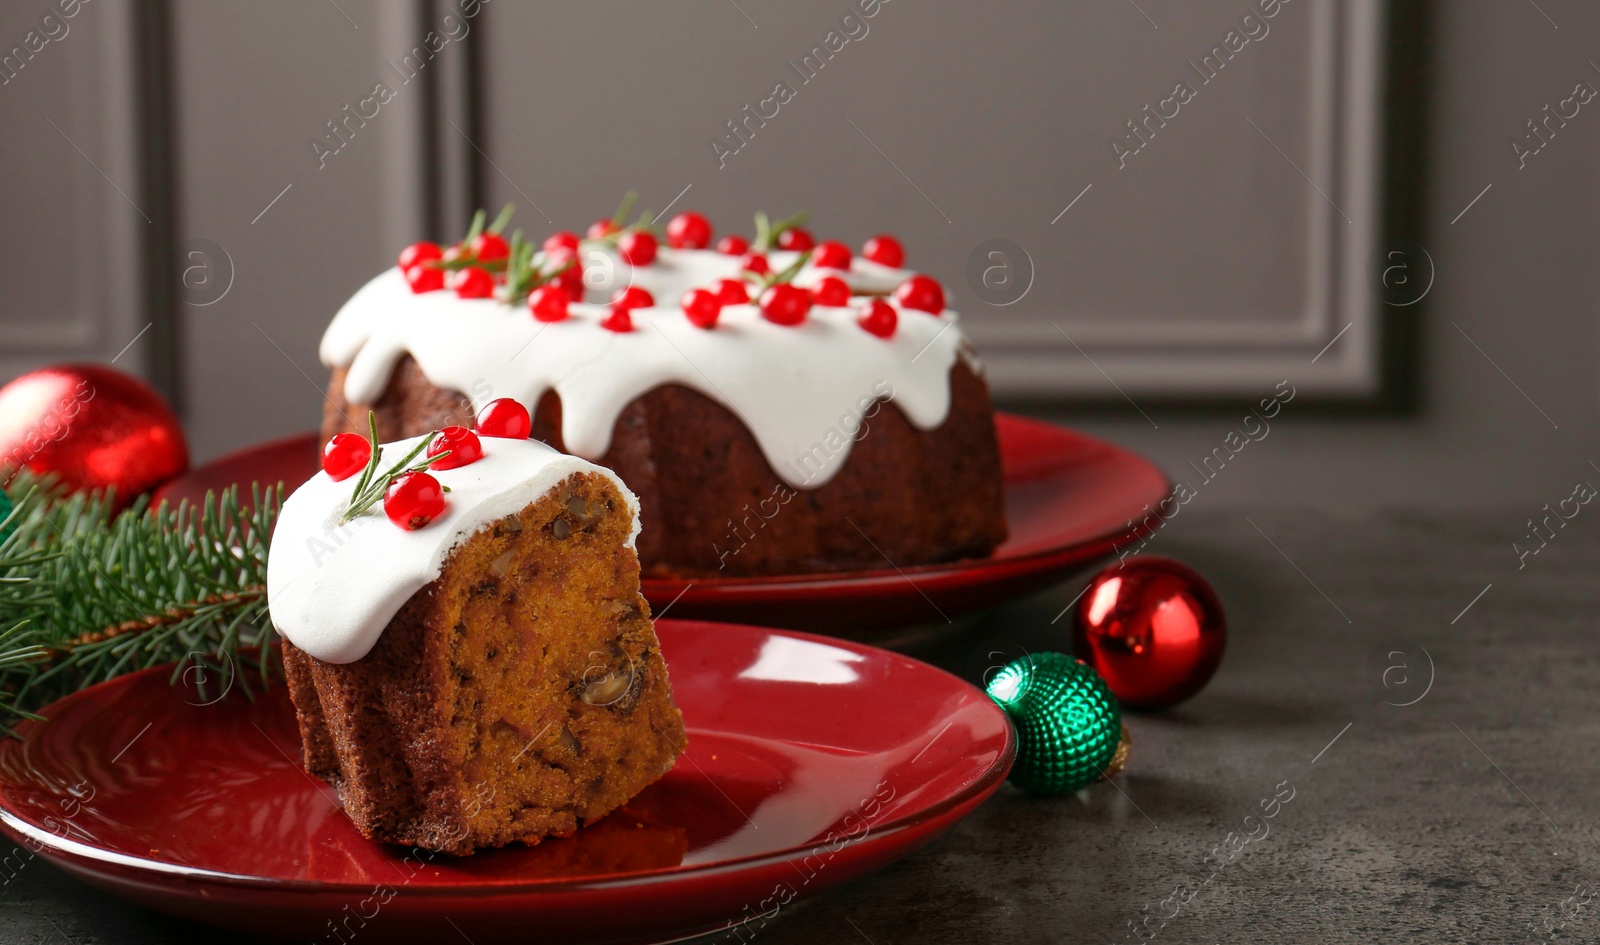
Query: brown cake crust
point(712, 505)
point(518, 696)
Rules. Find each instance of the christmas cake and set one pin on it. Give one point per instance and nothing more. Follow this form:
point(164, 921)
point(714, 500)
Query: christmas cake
point(472, 664)
point(779, 407)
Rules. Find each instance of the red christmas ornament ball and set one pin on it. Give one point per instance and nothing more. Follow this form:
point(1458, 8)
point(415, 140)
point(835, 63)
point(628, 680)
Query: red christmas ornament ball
point(93, 428)
point(1153, 629)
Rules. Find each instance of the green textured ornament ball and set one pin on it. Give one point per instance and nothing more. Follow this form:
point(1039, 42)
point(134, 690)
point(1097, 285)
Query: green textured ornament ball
point(1068, 722)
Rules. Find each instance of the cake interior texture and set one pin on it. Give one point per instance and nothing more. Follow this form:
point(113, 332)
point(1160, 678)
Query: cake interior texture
point(518, 696)
point(714, 506)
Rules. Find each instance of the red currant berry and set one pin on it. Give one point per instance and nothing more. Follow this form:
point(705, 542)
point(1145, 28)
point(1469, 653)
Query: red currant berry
point(424, 278)
point(345, 455)
point(568, 271)
point(880, 318)
point(631, 298)
point(549, 303)
point(419, 253)
point(785, 304)
point(472, 283)
point(462, 444)
point(602, 228)
point(689, 230)
point(637, 247)
point(756, 263)
point(796, 239)
point(702, 307)
point(831, 254)
point(920, 292)
point(561, 239)
point(733, 245)
point(885, 250)
point(489, 247)
point(732, 291)
point(413, 501)
point(504, 419)
point(831, 292)
point(619, 321)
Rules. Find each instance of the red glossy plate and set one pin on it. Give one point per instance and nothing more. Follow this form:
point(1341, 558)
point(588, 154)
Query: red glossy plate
point(810, 762)
point(1069, 499)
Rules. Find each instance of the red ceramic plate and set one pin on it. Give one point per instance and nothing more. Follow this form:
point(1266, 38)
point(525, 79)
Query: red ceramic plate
point(810, 762)
point(1069, 498)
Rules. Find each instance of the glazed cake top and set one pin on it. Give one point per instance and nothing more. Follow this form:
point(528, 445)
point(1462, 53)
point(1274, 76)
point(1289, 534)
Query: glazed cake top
point(793, 386)
point(332, 588)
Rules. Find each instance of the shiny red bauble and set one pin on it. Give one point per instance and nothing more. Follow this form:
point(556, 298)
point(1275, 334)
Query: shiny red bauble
point(504, 419)
point(701, 307)
point(561, 239)
point(884, 250)
point(879, 319)
point(472, 283)
point(922, 293)
point(462, 444)
point(830, 291)
point(422, 277)
point(550, 303)
point(638, 247)
point(419, 253)
point(689, 230)
point(732, 291)
point(345, 455)
point(490, 246)
point(413, 500)
point(796, 239)
point(785, 304)
point(831, 254)
point(1153, 629)
point(93, 428)
point(631, 298)
point(733, 245)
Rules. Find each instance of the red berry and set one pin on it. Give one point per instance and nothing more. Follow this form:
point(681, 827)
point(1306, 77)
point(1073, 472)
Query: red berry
point(637, 247)
point(618, 321)
point(561, 239)
point(689, 230)
point(504, 419)
point(462, 443)
point(631, 298)
point(884, 250)
point(472, 283)
point(880, 318)
point(831, 254)
point(920, 292)
point(732, 291)
point(419, 253)
point(413, 501)
point(702, 307)
point(489, 247)
point(600, 228)
point(549, 303)
point(796, 239)
point(345, 455)
point(830, 291)
point(785, 304)
point(568, 271)
point(424, 278)
point(756, 263)
point(733, 245)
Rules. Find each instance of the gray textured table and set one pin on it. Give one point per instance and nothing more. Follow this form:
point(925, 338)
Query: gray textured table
point(1469, 815)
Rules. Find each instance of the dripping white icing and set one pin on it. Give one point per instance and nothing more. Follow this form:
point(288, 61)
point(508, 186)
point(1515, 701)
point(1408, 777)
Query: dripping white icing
point(333, 588)
point(795, 388)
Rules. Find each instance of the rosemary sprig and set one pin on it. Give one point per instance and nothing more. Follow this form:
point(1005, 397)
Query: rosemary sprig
point(372, 485)
point(644, 223)
point(464, 257)
point(767, 232)
point(787, 275)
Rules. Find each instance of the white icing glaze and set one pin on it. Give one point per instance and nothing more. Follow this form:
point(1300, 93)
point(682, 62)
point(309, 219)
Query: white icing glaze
point(801, 390)
point(333, 588)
